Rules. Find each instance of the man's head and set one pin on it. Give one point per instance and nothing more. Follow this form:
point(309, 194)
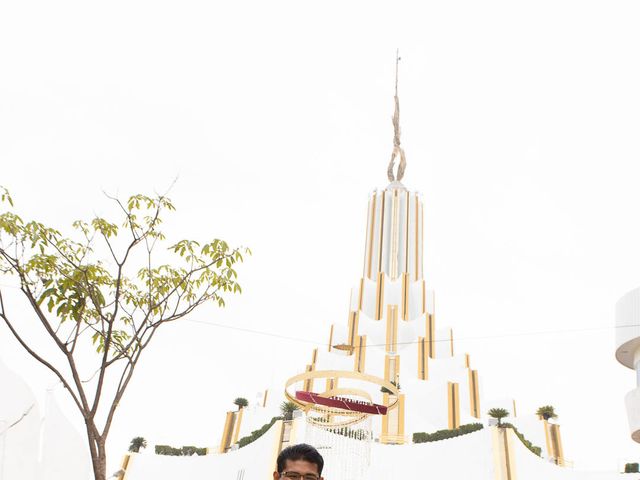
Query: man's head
point(299, 462)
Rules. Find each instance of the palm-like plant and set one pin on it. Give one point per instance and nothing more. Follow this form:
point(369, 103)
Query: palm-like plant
point(546, 412)
point(499, 414)
point(287, 409)
point(241, 402)
point(137, 443)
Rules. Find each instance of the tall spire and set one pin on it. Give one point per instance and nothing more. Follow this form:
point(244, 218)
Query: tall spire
point(397, 149)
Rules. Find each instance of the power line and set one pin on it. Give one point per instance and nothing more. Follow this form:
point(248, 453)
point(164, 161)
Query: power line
point(482, 337)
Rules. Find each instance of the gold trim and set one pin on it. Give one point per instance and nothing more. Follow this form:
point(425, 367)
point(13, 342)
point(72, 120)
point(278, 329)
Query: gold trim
point(236, 428)
point(556, 441)
point(308, 384)
point(405, 296)
point(361, 351)
point(467, 360)
point(385, 418)
point(353, 328)
point(277, 447)
point(379, 296)
point(123, 468)
point(514, 408)
point(264, 399)
point(423, 359)
point(453, 401)
point(430, 334)
point(451, 340)
point(392, 369)
point(227, 432)
point(361, 294)
point(401, 415)
point(371, 231)
point(314, 356)
point(330, 337)
point(406, 234)
point(473, 393)
point(395, 234)
point(424, 297)
point(392, 328)
point(382, 208)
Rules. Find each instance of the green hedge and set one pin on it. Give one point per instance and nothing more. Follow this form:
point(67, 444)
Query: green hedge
point(631, 468)
point(179, 452)
point(422, 437)
point(527, 443)
point(256, 434)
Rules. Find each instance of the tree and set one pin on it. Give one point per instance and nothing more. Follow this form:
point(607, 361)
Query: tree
point(499, 414)
point(287, 409)
point(241, 402)
point(546, 412)
point(100, 296)
point(137, 443)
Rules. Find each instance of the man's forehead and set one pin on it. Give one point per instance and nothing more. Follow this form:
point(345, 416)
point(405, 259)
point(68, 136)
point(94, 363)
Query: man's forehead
point(300, 466)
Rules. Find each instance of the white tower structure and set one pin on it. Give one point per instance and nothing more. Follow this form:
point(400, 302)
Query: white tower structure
point(628, 352)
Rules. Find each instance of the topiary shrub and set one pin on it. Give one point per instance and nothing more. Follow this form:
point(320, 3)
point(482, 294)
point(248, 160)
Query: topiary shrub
point(631, 468)
point(534, 449)
point(256, 434)
point(422, 437)
point(179, 452)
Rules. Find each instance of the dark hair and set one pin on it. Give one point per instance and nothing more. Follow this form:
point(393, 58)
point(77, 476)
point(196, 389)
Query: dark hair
point(301, 451)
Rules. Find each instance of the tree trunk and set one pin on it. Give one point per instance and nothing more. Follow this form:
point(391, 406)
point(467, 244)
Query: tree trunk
point(98, 453)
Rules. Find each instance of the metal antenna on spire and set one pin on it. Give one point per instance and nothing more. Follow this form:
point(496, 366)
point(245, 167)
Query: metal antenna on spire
point(397, 149)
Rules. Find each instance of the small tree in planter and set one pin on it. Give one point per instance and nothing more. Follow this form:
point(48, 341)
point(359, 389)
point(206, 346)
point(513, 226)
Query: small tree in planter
point(137, 443)
point(546, 412)
point(241, 402)
point(498, 414)
point(287, 409)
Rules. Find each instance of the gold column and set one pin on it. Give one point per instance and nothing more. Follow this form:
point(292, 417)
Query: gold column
point(467, 360)
point(395, 234)
point(474, 393)
point(330, 337)
point(264, 398)
point(423, 359)
point(381, 242)
point(361, 351)
point(514, 409)
point(353, 329)
point(277, 447)
point(123, 468)
point(405, 296)
point(431, 335)
point(361, 294)
point(392, 328)
point(372, 221)
point(406, 234)
point(379, 295)
point(392, 369)
point(227, 432)
point(393, 422)
point(453, 397)
point(503, 457)
point(314, 356)
point(237, 423)
point(451, 340)
point(308, 383)
point(554, 442)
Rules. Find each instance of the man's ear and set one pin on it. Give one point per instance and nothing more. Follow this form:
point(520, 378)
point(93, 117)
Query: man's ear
point(276, 476)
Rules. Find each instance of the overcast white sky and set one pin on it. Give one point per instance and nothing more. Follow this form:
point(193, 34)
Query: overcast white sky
point(520, 123)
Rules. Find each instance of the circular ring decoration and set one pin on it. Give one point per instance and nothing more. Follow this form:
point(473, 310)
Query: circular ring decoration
point(350, 416)
point(341, 403)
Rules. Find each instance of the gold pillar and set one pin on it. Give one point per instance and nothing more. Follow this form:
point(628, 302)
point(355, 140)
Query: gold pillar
point(392, 328)
point(308, 383)
point(503, 456)
point(423, 359)
point(264, 398)
point(236, 428)
point(431, 335)
point(451, 340)
point(467, 360)
point(361, 294)
point(330, 337)
point(379, 296)
point(473, 393)
point(392, 369)
point(352, 329)
point(123, 468)
point(393, 422)
point(405, 296)
point(227, 432)
point(372, 221)
point(453, 400)
point(361, 351)
point(554, 442)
